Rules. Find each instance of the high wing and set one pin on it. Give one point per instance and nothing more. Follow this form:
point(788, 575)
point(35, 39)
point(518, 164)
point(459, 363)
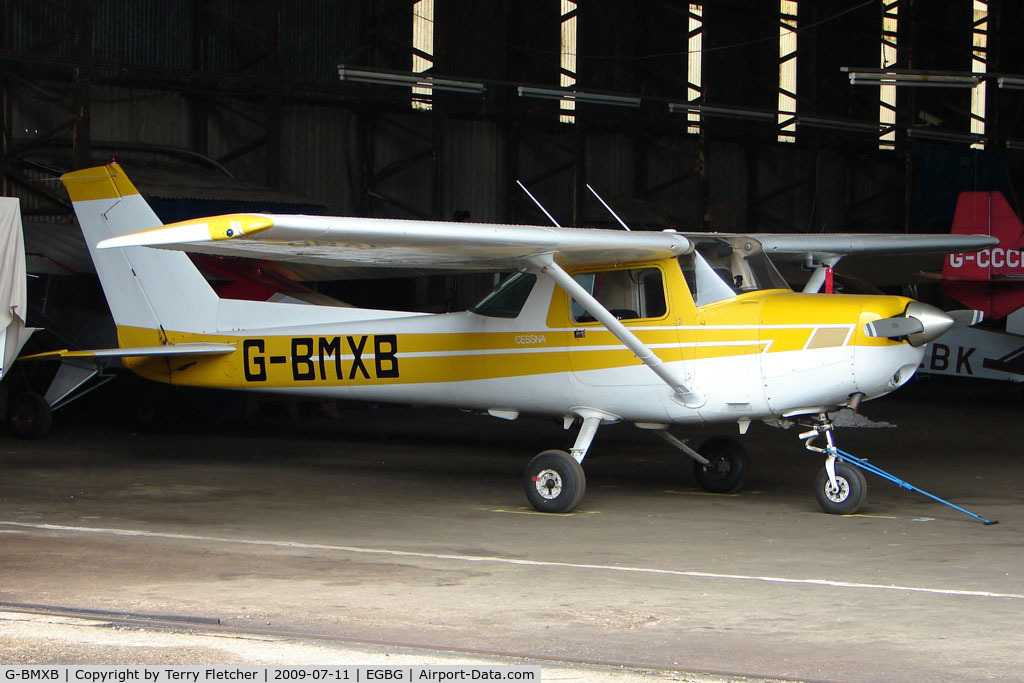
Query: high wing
point(424, 244)
point(327, 240)
point(824, 251)
point(330, 240)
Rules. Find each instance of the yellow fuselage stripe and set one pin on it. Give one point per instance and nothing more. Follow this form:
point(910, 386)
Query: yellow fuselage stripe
point(354, 358)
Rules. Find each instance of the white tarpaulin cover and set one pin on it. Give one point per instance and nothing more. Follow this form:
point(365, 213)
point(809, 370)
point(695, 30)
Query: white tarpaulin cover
point(13, 304)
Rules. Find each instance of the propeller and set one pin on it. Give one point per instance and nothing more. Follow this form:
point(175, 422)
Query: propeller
point(922, 323)
point(966, 317)
point(892, 328)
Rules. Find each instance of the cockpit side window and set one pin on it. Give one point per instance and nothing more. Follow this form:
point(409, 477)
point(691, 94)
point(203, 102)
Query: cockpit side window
point(508, 299)
point(707, 284)
point(627, 294)
point(724, 266)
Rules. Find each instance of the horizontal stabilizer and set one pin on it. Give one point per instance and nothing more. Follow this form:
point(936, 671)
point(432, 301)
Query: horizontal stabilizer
point(186, 349)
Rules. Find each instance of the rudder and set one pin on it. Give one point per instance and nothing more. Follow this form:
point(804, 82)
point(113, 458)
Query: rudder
point(983, 280)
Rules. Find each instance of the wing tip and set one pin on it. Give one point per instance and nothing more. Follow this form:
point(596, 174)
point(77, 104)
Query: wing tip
point(212, 229)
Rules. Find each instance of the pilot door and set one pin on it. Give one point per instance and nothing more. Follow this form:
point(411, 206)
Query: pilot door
point(638, 297)
point(724, 334)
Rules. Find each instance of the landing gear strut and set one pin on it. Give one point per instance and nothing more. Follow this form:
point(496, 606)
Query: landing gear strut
point(719, 465)
point(554, 480)
point(840, 488)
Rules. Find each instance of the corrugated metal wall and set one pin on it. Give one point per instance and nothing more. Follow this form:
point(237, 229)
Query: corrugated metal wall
point(359, 149)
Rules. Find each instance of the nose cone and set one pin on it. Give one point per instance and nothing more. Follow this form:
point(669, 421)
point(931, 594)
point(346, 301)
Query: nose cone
point(934, 323)
point(885, 357)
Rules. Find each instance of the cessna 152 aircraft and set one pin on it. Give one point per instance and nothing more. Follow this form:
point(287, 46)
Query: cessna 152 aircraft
point(594, 326)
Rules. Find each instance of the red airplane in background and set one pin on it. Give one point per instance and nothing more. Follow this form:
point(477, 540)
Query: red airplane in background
point(992, 281)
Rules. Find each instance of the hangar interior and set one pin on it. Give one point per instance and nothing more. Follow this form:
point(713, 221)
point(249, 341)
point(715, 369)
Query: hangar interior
point(740, 115)
point(399, 528)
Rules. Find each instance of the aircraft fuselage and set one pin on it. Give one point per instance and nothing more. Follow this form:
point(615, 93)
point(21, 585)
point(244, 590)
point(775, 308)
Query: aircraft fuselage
point(752, 356)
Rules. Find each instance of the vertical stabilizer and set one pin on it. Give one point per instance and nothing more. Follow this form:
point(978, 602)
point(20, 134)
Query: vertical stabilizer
point(991, 280)
point(145, 288)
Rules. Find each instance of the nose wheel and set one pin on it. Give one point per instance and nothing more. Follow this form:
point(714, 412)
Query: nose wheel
point(844, 492)
point(840, 488)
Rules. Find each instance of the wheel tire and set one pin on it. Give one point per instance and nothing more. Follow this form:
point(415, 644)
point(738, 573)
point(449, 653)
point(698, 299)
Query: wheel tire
point(847, 499)
point(727, 470)
point(554, 482)
point(30, 416)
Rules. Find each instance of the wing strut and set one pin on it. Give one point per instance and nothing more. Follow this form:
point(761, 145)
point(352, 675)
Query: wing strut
point(817, 278)
point(684, 394)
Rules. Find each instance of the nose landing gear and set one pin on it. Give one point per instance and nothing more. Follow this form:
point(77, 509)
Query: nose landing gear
point(841, 488)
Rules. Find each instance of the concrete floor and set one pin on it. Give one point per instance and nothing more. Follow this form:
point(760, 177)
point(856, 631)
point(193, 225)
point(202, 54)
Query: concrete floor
point(409, 527)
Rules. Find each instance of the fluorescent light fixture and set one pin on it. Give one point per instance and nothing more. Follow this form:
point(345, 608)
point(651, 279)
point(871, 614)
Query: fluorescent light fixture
point(577, 96)
point(813, 121)
point(1017, 145)
point(724, 112)
point(1008, 83)
point(932, 134)
point(919, 79)
point(407, 80)
point(839, 124)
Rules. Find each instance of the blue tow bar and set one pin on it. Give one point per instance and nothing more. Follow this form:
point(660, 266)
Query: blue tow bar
point(874, 469)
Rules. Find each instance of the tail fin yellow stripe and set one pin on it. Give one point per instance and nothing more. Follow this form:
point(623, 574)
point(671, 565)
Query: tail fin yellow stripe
point(104, 182)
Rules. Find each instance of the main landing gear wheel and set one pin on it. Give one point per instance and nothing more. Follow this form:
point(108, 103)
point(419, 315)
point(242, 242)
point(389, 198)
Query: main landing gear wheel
point(30, 416)
point(554, 482)
point(848, 496)
point(727, 469)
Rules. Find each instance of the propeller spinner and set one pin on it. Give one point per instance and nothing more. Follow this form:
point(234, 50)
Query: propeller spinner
point(922, 323)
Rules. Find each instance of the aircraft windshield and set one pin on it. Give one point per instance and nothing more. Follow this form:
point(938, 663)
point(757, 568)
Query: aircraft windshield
point(508, 299)
point(723, 266)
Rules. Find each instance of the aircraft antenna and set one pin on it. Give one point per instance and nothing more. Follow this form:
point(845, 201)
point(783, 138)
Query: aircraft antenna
point(605, 205)
point(539, 205)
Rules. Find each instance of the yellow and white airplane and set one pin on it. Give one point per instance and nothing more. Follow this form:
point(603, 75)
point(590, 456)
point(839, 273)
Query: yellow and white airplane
point(594, 326)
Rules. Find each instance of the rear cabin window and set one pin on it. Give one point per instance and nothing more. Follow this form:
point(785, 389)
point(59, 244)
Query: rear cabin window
point(508, 299)
point(627, 294)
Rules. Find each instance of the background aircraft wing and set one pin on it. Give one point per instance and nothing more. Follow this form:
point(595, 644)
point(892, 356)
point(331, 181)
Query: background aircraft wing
point(816, 247)
point(328, 240)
